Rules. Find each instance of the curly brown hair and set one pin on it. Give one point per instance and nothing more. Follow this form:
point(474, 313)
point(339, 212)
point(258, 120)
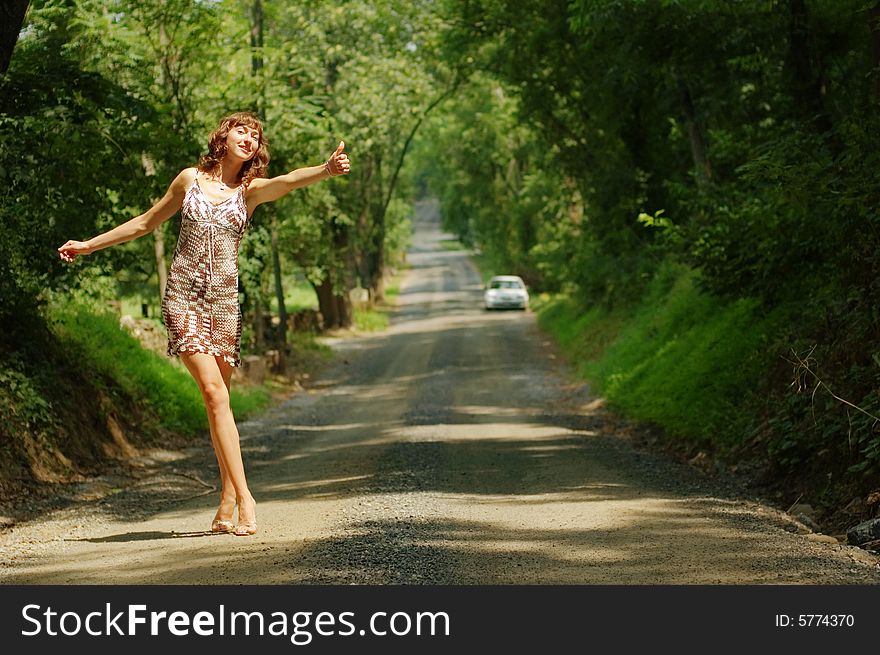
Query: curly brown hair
point(256, 166)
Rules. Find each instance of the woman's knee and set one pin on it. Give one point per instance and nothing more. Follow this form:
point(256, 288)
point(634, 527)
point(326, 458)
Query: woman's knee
point(216, 396)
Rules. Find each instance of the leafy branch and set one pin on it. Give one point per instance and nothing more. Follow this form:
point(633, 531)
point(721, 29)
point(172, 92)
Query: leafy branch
point(803, 370)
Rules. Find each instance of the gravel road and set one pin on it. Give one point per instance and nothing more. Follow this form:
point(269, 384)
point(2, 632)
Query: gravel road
point(454, 448)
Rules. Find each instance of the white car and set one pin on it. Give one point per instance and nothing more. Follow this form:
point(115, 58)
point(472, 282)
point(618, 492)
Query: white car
point(506, 291)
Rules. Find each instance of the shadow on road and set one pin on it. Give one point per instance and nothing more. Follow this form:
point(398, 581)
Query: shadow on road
point(147, 536)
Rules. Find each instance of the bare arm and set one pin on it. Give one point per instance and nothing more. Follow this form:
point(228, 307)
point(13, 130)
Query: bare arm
point(270, 189)
point(137, 226)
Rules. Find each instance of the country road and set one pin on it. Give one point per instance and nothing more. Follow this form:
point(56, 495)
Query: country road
point(454, 448)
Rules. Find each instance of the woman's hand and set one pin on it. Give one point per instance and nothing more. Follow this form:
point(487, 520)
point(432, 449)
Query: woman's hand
point(338, 163)
point(71, 249)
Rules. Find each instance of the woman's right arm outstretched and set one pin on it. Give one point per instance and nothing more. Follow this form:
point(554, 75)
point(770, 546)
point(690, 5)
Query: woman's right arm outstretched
point(137, 226)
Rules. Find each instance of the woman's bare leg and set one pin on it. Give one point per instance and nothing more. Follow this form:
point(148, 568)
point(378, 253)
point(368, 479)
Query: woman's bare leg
point(226, 510)
point(213, 376)
point(247, 507)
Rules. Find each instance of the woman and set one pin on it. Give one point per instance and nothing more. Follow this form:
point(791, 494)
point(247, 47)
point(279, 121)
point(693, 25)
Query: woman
point(200, 307)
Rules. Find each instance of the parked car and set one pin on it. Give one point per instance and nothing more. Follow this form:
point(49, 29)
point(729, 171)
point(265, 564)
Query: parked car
point(506, 291)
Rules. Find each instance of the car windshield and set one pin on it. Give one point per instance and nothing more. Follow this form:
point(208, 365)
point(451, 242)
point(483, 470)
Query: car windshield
point(505, 284)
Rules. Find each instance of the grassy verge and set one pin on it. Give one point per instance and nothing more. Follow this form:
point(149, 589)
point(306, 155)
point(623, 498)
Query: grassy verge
point(371, 318)
point(165, 388)
point(376, 317)
point(298, 294)
point(452, 244)
point(712, 373)
point(484, 266)
point(680, 359)
point(81, 393)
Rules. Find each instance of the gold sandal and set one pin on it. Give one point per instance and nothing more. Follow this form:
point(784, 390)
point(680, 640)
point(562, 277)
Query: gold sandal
point(222, 525)
point(219, 525)
point(246, 528)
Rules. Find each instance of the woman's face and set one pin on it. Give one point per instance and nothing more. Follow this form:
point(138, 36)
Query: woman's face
point(242, 142)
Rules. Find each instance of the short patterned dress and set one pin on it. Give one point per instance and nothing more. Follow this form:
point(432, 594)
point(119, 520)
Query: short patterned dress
point(200, 307)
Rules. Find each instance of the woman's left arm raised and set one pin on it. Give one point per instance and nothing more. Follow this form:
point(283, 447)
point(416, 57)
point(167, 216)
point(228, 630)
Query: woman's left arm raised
point(263, 190)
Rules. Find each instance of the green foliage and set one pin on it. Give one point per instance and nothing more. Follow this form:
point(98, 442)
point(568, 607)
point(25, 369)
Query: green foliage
point(23, 408)
point(495, 186)
point(370, 319)
point(105, 102)
point(140, 84)
point(298, 295)
point(50, 112)
point(583, 144)
point(30, 421)
point(679, 358)
point(602, 139)
point(167, 390)
point(392, 293)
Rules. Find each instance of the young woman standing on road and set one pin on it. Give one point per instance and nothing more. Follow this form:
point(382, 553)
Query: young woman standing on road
point(200, 308)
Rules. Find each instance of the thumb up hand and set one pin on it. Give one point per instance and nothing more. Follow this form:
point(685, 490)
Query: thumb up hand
point(338, 163)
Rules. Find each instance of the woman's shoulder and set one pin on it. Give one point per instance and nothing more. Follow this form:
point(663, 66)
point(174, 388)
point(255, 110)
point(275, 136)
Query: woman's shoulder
point(257, 183)
point(185, 178)
point(188, 175)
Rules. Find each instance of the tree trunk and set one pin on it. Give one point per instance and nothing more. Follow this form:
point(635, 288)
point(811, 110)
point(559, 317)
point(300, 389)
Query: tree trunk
point(695, 133)
point(257, 53)
point(12, 13)
point(158, 234)
point(379, 285)
point(327, 303)
point(806, 81)
point(257, 36)
point(376, 256)
point(161, 266)
point(377, 262)
point(344, 310)
point(279, 287)
point(256, 64)
point(873, 16)
point(259, 329)
point(365, 188)
point(170, 80)
point(342, 244)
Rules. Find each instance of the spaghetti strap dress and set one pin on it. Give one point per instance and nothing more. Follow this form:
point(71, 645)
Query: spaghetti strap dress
point(200, 306)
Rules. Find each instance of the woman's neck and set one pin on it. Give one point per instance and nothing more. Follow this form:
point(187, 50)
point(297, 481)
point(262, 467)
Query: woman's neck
point(227, 171)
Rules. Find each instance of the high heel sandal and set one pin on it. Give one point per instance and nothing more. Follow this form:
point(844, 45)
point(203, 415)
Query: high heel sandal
point(222, 525)
point(245, 528)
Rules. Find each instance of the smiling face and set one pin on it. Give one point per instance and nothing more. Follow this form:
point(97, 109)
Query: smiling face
point(239, 141)
point(243, 141)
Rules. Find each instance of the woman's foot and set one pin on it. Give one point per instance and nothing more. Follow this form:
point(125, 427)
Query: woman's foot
point(223, 518)
point(247, 517)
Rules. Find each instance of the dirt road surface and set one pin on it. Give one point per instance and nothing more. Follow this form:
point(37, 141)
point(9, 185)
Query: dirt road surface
point(453, 448)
